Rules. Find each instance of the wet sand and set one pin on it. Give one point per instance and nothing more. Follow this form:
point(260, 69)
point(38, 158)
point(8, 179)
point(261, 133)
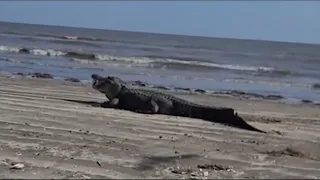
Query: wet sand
point(55, 138)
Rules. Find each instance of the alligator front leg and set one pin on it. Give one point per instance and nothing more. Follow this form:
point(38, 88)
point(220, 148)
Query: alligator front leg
point(110, 104)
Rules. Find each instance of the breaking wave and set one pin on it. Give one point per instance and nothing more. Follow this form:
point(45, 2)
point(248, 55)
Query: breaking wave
point(100, 58)
point(70, 37)
point(43, 52)
point(54, 36)
point(62, 41)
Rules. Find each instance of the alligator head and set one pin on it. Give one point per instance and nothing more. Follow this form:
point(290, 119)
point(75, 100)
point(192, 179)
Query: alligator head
point(110, 86)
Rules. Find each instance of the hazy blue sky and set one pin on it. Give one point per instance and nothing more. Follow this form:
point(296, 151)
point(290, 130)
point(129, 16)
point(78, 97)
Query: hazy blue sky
point(282, 21)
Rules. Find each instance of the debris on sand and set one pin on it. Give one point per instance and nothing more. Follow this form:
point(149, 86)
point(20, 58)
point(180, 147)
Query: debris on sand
point(99, 163)
point(72, 79)
point(41, 75)
point(276, 132)
point(215, 167)
point(181, 171)
point(289, 151)
point(11, 164)
point(17, 166)
point(316, 86)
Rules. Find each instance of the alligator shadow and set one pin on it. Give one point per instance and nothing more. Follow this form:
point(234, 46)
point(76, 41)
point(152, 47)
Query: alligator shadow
point(99, 104)
point(91, 103)
point(233, 121)
point(150, 162)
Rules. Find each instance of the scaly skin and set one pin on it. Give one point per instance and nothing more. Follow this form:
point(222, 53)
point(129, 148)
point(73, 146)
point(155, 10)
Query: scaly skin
point(148, 101)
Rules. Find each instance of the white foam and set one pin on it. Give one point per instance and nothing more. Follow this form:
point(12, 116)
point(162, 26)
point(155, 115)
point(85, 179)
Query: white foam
point(268, 82)
point(42, 52)
point(46, 52)
point(9, 49)
point(142, 61)
point(145, 60)
point(83, 61)
point(115, 65)
point(5, 73)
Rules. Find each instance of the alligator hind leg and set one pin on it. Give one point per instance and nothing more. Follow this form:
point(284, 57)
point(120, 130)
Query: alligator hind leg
point(152, 108)
point(165, 105)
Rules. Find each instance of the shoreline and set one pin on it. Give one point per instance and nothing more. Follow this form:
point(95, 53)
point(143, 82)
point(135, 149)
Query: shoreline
point(140, 84)
point(54, 138)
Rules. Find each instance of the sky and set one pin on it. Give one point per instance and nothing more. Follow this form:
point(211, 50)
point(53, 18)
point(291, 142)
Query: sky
point(292, 21)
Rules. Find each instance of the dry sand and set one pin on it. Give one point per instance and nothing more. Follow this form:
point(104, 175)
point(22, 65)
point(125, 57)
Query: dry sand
point(54, 138)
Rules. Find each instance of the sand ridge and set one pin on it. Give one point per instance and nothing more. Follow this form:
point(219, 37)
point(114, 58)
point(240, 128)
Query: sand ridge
point(55, 138)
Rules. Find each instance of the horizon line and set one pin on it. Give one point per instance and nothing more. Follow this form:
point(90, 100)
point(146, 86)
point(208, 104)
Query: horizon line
point(168, 34)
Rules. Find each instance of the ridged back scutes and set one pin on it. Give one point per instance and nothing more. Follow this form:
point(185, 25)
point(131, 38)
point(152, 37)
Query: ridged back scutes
point(151, 92)
point(167, 96)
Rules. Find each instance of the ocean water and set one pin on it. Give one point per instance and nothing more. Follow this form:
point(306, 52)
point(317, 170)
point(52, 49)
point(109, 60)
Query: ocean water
point(213, 64)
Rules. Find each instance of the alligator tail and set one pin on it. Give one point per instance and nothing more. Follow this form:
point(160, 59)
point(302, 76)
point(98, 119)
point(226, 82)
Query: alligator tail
point(239, 122)
point(224, 116)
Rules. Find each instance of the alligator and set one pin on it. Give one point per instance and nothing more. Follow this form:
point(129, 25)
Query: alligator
point(141, 100)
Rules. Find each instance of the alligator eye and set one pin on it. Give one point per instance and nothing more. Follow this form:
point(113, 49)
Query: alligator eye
point(94, 76)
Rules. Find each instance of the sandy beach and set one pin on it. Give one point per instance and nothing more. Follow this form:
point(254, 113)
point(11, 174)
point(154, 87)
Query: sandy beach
point(55, 138)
